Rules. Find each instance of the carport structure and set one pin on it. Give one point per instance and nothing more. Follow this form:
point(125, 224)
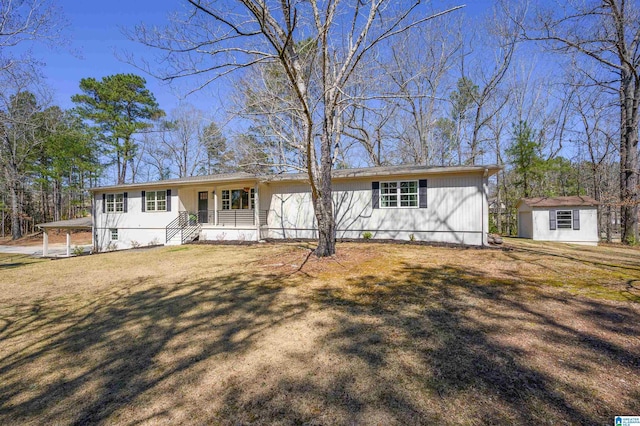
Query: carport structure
point(68, 225)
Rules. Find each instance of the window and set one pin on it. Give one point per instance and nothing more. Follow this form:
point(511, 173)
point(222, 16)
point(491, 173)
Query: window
point(156, 201)
point(114, 234)
point(115, 203)
point(225, 199)
point(564, 219)
point(237, 199)
point(399, 194)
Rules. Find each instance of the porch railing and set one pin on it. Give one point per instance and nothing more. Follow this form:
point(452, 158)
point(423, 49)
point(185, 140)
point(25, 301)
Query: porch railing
point(235, 218)
point(185, 225)
point(176, 225)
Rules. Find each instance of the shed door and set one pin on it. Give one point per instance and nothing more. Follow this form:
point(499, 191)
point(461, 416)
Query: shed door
point(525, 224)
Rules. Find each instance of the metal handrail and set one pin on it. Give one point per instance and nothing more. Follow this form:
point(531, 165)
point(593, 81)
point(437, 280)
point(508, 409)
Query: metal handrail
point(189, 233)
point(176, 225)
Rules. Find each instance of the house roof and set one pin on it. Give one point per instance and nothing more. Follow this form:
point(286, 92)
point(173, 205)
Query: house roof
point(337, 174)
point(81, 223)
point(570, 201)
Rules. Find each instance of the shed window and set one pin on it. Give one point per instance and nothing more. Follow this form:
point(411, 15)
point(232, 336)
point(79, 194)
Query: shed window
point(399, 194)
point(114, 234)
point(564, 219)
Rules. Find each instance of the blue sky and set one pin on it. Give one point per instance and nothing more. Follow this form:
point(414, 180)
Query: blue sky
point(95, 34)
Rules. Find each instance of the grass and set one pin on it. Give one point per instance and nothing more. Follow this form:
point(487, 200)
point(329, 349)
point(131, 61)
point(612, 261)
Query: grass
point(379, 334)
point(8, 261)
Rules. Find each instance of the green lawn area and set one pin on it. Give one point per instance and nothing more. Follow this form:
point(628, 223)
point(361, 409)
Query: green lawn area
point(380, 334)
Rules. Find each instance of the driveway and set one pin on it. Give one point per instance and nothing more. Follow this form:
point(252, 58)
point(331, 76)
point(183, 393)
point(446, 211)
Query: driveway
point(55, 250)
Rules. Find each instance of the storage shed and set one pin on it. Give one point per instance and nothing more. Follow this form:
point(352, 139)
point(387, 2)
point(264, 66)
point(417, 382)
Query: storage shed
point(571, 219)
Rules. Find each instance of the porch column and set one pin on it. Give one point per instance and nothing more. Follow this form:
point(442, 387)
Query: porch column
point(68, 243)
point(215, 207)
point(45, 242)
point(256, 212)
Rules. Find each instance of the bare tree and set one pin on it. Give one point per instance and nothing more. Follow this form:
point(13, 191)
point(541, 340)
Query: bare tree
point(607, 32)
point(20, 126)
point(343, 34)
point(181, 140)
point(484, 65)
point(420, 63)
point(25, 21)
point(596, 134)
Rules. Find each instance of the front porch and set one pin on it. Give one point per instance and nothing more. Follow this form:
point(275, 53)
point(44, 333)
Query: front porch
point(231, 218)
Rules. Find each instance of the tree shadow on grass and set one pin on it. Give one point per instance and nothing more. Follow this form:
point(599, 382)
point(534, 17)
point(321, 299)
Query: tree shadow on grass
point(445, 345)
point(92, 360)
point(423, 345)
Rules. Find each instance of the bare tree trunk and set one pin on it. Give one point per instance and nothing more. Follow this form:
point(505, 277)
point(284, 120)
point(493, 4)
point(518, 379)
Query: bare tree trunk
point(16, 230)
point(324, 204)
point(629, 156)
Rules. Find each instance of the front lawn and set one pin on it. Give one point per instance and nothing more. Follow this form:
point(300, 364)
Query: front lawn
point(380, 334)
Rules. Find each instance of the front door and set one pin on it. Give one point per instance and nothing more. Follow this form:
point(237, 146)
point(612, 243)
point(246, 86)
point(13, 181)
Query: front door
point(203, 206)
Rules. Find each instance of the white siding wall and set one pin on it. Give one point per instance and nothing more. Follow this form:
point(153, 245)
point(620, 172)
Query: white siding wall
point(144, 228)
point(454, 211)
point(587, 234)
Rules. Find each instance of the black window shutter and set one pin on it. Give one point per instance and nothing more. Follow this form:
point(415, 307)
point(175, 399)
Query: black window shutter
point(375, 195)
point(144, 200)
point(422, 193)
point(104, 203)
point(125, 202)
point(552, 219)
point(576, 219)
point(168, 200)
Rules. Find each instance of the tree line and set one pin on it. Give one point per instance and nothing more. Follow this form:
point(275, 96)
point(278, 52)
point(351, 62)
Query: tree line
point(550, 94)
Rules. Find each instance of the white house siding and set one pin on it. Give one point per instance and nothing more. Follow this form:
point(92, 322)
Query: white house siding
point(587, 234)
point(134, 227)
point(456, 211)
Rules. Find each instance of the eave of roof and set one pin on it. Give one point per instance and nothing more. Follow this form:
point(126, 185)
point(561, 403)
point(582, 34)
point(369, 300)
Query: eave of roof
point(569, 201)
point(227, 177)
point(389, 171)
point(383, 171)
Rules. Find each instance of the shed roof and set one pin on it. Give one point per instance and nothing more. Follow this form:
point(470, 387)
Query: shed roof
point(81, 223)
point(337, 174)
point(570, 201)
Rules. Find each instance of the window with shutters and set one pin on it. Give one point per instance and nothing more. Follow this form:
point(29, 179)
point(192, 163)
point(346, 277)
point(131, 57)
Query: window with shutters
point(156, 201)
point(399, 194)
point(564, 219)
point(115, 203)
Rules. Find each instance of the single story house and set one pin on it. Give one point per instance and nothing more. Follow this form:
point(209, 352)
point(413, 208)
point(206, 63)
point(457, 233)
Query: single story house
point(571, 219)
point(439, 204)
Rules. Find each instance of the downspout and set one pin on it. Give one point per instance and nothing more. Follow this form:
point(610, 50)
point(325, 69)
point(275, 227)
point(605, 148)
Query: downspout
point(485, 176)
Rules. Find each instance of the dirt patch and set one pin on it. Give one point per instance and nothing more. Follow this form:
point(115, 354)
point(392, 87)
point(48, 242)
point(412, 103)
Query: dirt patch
point(268, 334)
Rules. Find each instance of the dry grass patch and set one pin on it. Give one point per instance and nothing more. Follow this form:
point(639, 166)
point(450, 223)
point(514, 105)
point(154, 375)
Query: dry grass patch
point(379, 334)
